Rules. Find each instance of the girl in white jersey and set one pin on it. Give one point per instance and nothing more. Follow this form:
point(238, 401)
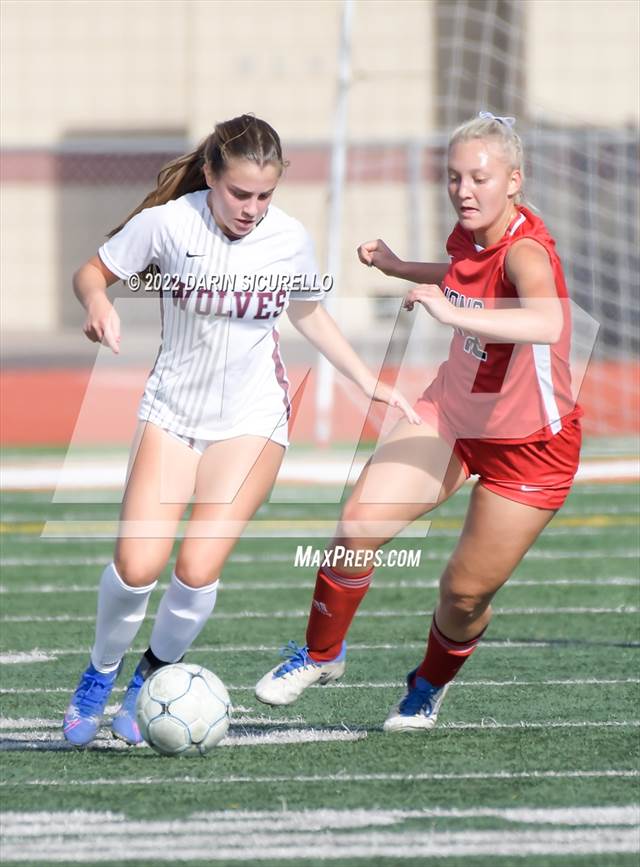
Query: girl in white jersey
point(213, 417)
point(500, 407)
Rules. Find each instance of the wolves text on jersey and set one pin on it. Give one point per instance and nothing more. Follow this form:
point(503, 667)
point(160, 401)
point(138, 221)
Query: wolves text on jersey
point(269, 305)
point(472, 344)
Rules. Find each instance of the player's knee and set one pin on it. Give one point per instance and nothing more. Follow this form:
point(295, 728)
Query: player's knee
point(462, 604)
point(358, 523)
point(135, 572)
point(353, 513)
point(195, 574)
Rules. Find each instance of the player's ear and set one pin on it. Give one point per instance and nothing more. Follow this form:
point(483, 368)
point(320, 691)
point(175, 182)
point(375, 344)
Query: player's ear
point(208, 175)
point(515, 183)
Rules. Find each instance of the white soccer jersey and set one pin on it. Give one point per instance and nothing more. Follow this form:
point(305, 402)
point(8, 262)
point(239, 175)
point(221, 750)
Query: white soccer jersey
point(218, 373)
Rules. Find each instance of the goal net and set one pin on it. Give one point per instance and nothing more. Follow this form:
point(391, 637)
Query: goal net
point(581, 177)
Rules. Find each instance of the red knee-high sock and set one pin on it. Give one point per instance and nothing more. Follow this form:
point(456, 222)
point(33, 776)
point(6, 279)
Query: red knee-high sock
point(444, 657)
point(335, 601)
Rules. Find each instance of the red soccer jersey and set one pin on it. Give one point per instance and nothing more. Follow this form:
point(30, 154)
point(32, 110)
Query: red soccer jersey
point(511, 392)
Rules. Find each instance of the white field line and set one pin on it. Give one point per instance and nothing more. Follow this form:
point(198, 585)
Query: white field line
point(304, 494)
point(13, 657)
point(535, 554)
point(257, 559)
point(590, 470)
point(96, 531)
point(393, 684)
point(368, 685)
point(88, 474)
point(114, 831)
point(297, 847)
point(552, 724)
point(52, 561)
point(239, 719)
point(581, 502)
point(285, 615)
point(290, 736)
point(281, 510)
point(234, 585)
point(13, 729)
point(238, 779)
point(83, 822)
point(20, 657)
point(237, 559)
point(454, 508)
point(623, 489)
point(585, 510)
point(434, 535)
point(48, 740)
point(550, 532)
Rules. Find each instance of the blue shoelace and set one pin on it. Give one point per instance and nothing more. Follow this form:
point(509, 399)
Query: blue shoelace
point(296, 657)
point(417, 700)
point(92, 694)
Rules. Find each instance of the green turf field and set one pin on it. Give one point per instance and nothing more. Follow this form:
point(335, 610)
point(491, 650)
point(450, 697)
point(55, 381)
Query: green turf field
point(535, 761)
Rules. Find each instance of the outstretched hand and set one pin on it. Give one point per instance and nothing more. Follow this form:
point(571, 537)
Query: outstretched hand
point(381, 391)
point(433, 300)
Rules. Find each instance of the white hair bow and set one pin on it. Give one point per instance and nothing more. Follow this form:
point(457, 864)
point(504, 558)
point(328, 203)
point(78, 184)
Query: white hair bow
point(507, 121)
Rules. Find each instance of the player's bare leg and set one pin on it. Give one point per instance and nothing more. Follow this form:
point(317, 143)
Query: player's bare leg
point(497, 533)
point(411, 472)
point(160, 483)
point(233, 479)
point(147, 528)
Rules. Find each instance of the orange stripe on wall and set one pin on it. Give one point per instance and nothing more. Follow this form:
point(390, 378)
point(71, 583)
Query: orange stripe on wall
point(44, 407)
point(49, 407)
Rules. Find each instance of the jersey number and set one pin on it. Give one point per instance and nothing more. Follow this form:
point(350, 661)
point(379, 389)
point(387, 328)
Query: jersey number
point(490, 377)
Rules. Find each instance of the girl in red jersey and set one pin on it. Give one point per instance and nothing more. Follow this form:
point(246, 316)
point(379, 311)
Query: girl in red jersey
point(500, 407)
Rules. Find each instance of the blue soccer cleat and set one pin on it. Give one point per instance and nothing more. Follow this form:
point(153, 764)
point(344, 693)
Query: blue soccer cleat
point(125, 725)
point(286, 682)
point(418, 709)
point(83, 716)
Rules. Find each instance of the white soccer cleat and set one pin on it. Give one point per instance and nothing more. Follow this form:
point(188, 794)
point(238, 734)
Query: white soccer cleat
point(286, 682)
point(418, 709)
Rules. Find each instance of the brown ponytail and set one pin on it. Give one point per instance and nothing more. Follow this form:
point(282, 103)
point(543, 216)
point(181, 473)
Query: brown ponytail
point(245, 137)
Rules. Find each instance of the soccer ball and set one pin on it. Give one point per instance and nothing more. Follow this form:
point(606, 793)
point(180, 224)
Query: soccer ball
point(183, 710)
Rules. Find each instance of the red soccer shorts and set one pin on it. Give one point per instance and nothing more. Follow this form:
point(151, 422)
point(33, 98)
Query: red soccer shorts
point(536, 473)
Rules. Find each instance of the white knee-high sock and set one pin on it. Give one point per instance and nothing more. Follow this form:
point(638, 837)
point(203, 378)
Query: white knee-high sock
point(121, 610)
point(182, 614)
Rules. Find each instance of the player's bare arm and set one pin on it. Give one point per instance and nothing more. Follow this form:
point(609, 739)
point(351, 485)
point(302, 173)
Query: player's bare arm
point(538, 320)
point(320, 329)
point(378, 255)
point(90, 283)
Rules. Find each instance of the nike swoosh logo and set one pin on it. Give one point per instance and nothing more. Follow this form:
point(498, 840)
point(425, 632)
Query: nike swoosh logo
point(528, 488)
point(195, 255)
